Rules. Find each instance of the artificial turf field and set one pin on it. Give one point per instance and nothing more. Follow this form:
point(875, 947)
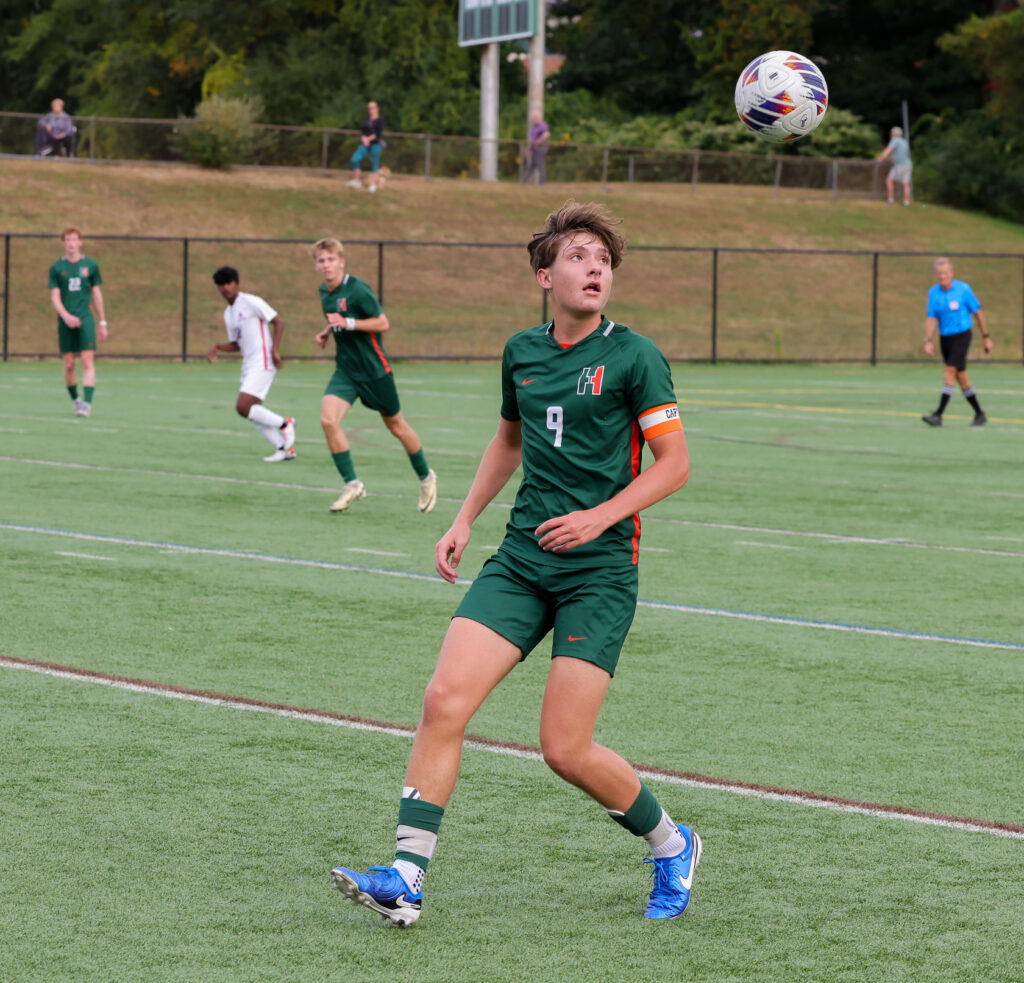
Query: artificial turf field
point(832, 606)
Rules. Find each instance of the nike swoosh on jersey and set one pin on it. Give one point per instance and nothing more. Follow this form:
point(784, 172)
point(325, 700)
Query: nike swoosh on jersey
point(526, 382)
point(577, 638)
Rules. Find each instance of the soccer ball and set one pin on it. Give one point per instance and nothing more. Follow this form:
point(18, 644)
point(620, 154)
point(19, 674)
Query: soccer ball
point(781, 96)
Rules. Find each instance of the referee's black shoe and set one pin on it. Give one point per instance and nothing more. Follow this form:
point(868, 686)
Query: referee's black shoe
point(979, 420)
point(933, 420)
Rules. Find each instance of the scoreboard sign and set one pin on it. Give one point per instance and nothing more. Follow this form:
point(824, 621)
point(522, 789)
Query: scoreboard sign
point(484, 21)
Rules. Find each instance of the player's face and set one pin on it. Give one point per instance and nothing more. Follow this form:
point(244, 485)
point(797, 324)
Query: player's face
point(229, 291)
point(330, 266)
point(73, 245)
point(944, 274)
point(580, 279)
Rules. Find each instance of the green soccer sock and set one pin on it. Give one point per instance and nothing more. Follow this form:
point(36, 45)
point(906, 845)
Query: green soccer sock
point(419, 464)
point(89, 390)
point(416, 837)
point(343, 462)
point(73, 392)
point(642, 816)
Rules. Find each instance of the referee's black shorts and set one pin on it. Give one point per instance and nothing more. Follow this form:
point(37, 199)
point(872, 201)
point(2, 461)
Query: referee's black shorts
point(954, 349)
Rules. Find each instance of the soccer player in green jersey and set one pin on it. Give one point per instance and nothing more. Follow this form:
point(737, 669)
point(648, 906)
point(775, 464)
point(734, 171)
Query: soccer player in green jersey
point(580, 397)
point(362, 371)
point(74, 290)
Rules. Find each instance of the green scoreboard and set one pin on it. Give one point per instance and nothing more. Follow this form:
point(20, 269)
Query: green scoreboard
point(484, 21)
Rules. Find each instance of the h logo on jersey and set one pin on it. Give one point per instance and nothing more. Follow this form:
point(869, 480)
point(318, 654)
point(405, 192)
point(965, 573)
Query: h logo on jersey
point(342, 304)
point(590, 379)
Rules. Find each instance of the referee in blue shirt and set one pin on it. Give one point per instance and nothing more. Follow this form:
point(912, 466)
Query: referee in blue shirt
point(951, 305)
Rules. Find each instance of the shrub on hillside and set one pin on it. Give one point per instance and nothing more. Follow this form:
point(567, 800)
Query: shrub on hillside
point(977, 162)
point(222, 133)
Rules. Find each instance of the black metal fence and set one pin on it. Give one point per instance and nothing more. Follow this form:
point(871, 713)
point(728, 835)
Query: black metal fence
point(431, 155)
point(462, 300)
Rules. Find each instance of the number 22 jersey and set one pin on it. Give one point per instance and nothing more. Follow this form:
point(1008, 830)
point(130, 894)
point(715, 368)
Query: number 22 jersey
point(586, 412)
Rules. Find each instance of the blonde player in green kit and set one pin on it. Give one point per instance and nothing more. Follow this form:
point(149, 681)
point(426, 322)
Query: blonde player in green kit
point(74, 284)
point(580, 397)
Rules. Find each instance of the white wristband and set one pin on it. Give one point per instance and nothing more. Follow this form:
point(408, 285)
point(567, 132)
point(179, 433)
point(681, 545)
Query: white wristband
point(103, 324)
point(350, 324)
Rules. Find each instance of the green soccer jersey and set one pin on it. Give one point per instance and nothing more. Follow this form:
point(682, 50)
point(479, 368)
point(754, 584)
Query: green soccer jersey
point(586, 412)
point(76, 281)
point(359, 353)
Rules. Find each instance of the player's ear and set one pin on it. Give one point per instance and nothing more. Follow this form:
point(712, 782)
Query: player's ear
point(544, 278)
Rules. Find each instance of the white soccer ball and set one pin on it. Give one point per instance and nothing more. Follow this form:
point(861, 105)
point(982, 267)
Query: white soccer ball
point(781, 96)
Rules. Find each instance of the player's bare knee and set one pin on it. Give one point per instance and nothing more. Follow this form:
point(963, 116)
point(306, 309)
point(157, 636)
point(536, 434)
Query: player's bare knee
point(564, 760)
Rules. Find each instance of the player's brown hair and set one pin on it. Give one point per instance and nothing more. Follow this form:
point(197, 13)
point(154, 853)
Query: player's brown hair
point(328, 245)
point(70, 230)
point(572, 219)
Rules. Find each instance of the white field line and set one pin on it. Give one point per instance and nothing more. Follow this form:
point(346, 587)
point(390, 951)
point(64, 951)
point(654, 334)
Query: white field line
point(87, 556)
point(526, 754)
point(258, 483)
point(173, 548)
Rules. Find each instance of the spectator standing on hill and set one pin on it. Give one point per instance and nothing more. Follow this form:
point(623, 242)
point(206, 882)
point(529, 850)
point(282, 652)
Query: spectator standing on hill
point(371, 142)
point(537, 149)
point(899, 150)
point(362, 370)
point(951, 305)
point(580, 395)
point(55, 132)
point(248, 319)
point(74, 291)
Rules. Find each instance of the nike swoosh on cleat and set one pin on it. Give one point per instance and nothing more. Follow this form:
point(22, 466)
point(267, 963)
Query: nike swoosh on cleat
point(687, 882)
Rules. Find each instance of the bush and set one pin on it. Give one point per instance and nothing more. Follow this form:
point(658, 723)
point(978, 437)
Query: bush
point(972, 161)
point(222, 133)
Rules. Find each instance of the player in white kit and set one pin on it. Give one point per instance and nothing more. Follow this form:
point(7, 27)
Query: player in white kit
point(248, 319)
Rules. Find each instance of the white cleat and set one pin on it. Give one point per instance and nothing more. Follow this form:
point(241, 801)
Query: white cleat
point(352, 491)
point(288, 433)
point(281, 455)
point(79, 407)
point(428, 491)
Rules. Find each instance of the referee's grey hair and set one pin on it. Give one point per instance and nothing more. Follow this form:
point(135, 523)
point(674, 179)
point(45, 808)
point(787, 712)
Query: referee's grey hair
point(572, 219)
point(943, 261)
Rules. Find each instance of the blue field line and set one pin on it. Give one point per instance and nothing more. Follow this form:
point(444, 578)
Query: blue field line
point(435, 579)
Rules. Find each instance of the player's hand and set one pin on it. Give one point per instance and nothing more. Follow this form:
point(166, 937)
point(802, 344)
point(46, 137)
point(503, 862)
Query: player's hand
point(278, 361)
point(101, 332)
point(449, 550)
point(73, 322)
point(321, 338)
point(565, 532)
point(211, 355)
point(988, 345)
point(929, 348)
point(335, 320)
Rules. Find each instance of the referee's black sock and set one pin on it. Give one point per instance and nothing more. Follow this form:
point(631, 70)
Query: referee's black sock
point(972, 398)
point(947, 391)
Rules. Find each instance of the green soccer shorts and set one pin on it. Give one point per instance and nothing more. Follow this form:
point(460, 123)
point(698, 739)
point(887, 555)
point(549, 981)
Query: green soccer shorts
point(377, 394)
point(81, 339)
point(588, 611)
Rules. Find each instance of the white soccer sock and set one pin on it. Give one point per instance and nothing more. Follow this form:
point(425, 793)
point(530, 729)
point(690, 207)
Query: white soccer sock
point(665, 840)
point(411, 873)
point(273, 434)
point(258, 413)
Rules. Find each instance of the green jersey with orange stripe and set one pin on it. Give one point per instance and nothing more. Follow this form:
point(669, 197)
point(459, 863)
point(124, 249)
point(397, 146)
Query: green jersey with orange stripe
point(585, 411)
point(360, 353)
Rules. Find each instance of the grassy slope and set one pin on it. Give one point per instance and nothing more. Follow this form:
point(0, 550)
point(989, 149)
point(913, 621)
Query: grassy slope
point(179, 200)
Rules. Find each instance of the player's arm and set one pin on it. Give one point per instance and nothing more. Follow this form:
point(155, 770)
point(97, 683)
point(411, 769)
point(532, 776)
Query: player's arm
point(229, 346)
point(58, 305)
point(275, 354)
point(931, 325)
point(97, 303)
point(667, 474)
point(378, 323)
point(501, 458)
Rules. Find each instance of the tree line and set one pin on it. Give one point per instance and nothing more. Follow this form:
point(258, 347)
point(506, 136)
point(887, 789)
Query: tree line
point(649, 73)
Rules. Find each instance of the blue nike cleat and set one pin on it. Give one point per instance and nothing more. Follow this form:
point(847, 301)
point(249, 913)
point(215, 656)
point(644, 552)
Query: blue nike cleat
point(381, 889)
point(673, 878)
